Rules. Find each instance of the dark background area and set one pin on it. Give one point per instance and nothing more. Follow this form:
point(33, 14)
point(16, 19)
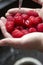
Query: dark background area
point(26, 3)
point(8, 55)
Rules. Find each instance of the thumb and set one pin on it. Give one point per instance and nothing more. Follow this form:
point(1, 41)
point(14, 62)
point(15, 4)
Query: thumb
point(16, 42)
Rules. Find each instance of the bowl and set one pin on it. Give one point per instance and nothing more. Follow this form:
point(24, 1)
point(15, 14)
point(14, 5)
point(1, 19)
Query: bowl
point(28, 61)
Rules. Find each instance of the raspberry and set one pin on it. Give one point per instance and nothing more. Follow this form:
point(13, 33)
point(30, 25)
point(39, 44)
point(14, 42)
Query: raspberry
point(17, 33)
point(18, 20)
point(10, 18)
point(32, 13)
point(19, 24)
point(32, 30)
point(18, 14)
point(26, 23)
point(10, 26)
point(31, 21)
point(38, 20)
point(19, 27)
point(25, 16)
point(40, 27)
point(25, 31)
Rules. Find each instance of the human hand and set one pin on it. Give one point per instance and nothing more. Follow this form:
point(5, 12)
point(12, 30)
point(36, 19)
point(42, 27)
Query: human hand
point(29, 41)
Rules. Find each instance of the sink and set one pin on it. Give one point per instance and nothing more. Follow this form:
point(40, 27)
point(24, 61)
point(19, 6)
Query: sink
point(9, 55)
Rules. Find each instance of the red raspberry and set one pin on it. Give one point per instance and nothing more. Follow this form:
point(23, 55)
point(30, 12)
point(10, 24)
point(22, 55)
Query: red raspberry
point(40, 27)
point(32, 30)
point(25, 31)
point(31, 21)
point(10, 18)
point(10, 26)
point(19, 27)
point(32, 13)
point(18, 14)
point(26, 24)
point(25, 16)
point(18, 20)
point(18, 23)
point(38, 20)
point(17, 33)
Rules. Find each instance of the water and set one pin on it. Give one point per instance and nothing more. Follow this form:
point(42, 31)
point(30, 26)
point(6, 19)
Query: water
point(20, 3)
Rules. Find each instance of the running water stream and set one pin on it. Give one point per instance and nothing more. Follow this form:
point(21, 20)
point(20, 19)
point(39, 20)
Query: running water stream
point(20, 4)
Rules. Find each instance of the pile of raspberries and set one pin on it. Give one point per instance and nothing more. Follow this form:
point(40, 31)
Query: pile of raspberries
point(20, 24)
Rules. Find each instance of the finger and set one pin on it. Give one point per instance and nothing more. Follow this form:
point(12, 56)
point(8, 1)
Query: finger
point(3, 20)
point(16, 42)
point(3, 29)
point(14, 10)
point(29, 41)
point(23, 10)
point(39, 1)
point(40, 12)
point(7, 14)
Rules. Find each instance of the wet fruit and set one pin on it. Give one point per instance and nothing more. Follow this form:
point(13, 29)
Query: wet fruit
point(24, 23)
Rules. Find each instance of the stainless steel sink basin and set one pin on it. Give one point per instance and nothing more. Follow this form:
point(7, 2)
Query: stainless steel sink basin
point(9, 55)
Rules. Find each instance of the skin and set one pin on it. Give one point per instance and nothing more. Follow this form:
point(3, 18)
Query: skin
point(29, 41)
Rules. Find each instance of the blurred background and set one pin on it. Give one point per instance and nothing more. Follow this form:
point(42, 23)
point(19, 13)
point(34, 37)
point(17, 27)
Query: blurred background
point(8, 55)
